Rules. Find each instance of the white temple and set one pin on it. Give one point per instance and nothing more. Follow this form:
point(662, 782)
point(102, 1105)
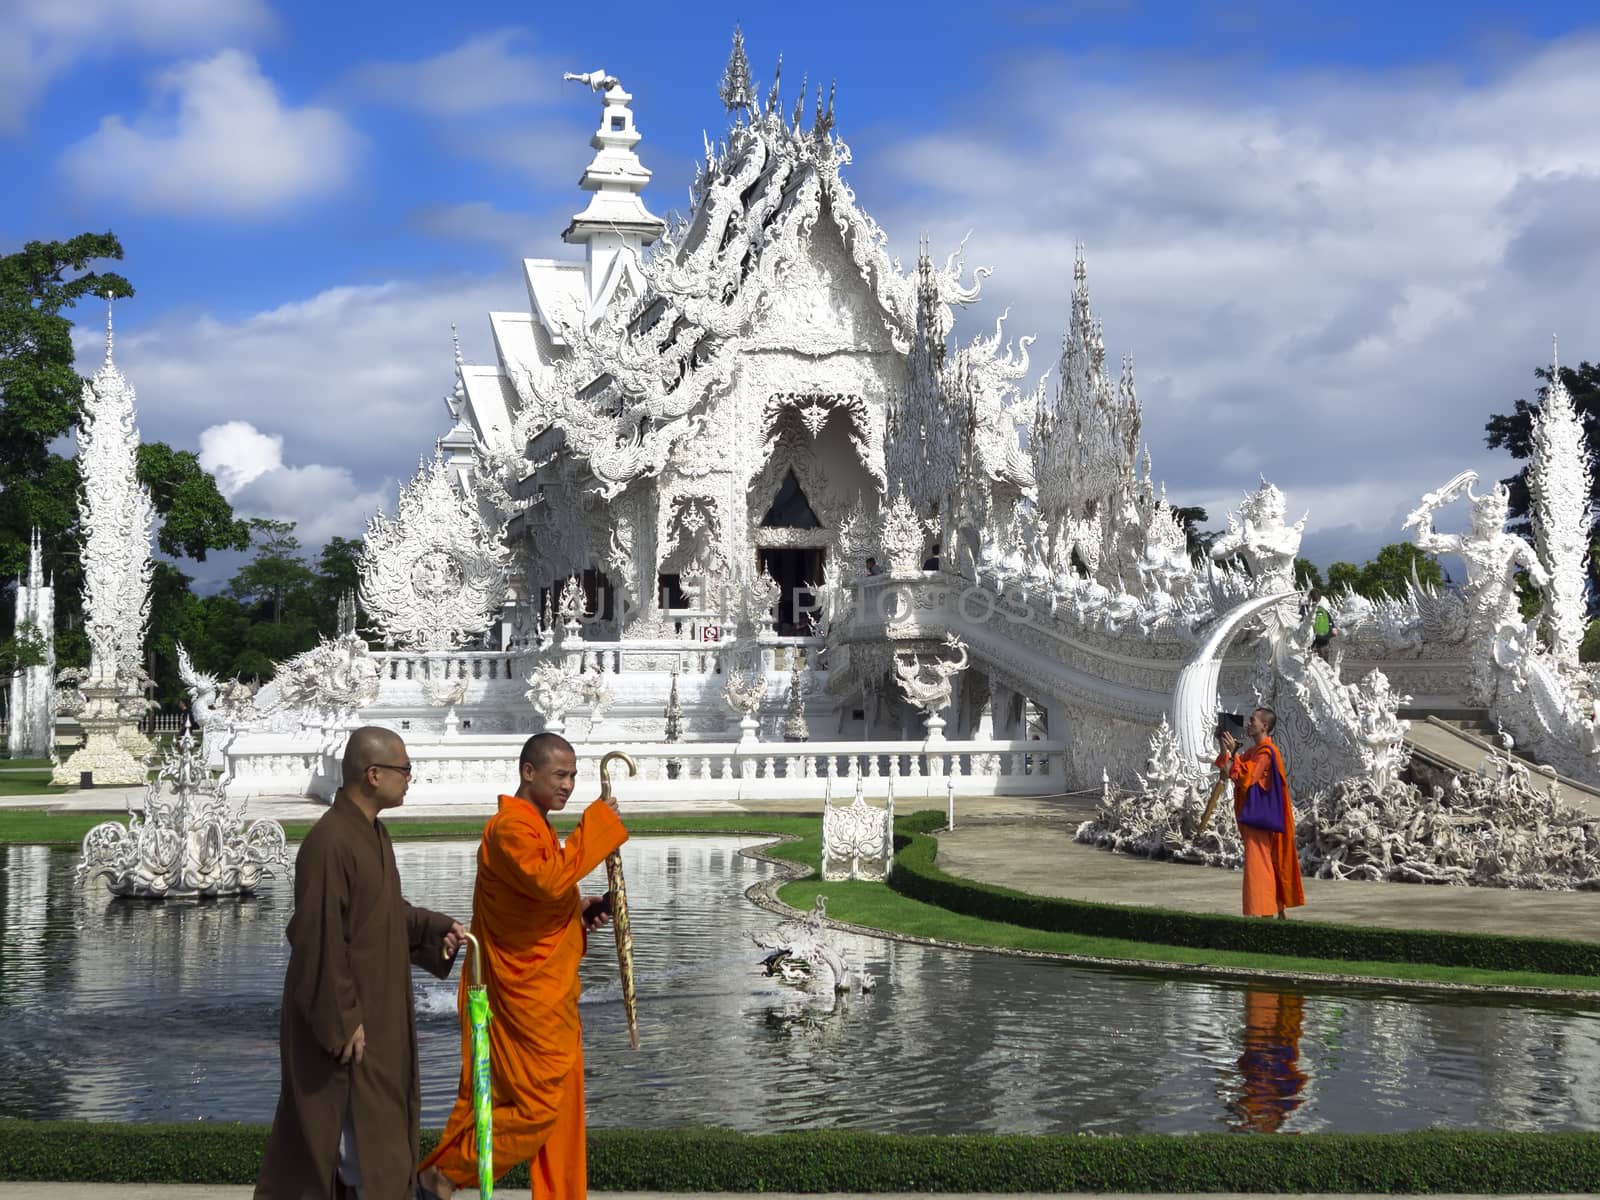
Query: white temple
point(738, 481)
point(31, 732)
point(116, 515)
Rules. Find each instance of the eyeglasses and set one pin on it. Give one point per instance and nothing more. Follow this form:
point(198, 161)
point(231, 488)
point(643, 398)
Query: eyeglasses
point(403, 768)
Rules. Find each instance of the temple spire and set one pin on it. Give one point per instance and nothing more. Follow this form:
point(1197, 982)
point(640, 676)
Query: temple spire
point(35, 560)
point(616, 220)
point(109, 299)
point(735, 90)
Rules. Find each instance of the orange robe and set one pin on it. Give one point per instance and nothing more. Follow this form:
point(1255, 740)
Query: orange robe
point(1269, 1067)
point(526, 911)
point(1271, 862)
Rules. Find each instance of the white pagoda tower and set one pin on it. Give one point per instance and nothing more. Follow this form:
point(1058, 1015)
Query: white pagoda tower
point(32, 730)
point(116, 514)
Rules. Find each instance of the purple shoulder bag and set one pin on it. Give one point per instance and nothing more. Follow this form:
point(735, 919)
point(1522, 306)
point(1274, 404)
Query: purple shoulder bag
point(1263, 804)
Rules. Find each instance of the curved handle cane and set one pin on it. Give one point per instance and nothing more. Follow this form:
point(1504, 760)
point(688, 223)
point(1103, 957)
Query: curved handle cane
point(617, 889)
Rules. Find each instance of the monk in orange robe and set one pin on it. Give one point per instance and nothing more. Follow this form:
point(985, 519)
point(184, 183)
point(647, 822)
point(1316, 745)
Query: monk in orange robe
point(533, 925)
point(1271, 862)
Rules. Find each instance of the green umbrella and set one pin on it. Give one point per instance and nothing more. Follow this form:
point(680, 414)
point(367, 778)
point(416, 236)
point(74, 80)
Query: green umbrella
point(482, 1101)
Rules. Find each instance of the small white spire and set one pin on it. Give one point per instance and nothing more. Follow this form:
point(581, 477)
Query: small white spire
point(1555, 355)
point(455, 340)
point(109, 299)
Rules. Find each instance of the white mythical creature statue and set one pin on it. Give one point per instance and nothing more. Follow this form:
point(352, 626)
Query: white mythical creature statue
point(801, 954)
point(745, 689)
point(1492, 557)
point(1258, 534)
point(184, 843)
point(930, 692)
point(331, 682)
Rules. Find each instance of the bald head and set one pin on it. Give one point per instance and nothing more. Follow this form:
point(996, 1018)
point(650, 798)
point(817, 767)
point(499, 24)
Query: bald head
point(370, 746)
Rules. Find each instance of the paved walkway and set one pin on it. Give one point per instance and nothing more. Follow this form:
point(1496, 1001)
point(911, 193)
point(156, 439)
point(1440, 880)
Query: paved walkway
point(1041, 857)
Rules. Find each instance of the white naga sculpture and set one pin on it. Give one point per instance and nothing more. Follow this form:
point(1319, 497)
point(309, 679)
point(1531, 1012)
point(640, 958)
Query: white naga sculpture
point(31, 733)
point(186, 841)
point(801, 954)
point(857, 839)
point(216, 708)
point(436, 573)
point(116, 514)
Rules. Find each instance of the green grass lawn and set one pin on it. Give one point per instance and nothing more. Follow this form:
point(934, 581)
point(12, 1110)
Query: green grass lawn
point(28, 783)
point(875, 906)
point(7, 764)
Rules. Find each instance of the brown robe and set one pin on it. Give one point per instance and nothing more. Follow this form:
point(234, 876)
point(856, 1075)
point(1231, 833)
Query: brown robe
point(352, 941)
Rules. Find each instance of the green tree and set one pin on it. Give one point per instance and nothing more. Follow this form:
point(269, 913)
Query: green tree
point(1390, 571)
point(1387, 573)
point(195, 518)
point(1513, 432)
point(1191, 517)
point(1306, 575)
point(40, 392)
point(41, 402)
point(338, 569)
point(276, 572)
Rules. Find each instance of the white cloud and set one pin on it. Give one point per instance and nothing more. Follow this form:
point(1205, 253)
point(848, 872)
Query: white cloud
point(236, 452)
point(1334, 279)
point(225, 144)
point(311, 411)
point(482, 74)
point(518, 234)
point(41, 39)
point(322, 501)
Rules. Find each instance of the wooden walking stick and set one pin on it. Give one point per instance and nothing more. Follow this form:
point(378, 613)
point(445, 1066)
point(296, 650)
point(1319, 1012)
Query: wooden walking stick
point(617, 890)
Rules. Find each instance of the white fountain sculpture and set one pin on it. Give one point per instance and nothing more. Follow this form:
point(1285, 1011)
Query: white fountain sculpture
point(857, 839)
point(186, 843)
point(800, 954)
point(931, 693)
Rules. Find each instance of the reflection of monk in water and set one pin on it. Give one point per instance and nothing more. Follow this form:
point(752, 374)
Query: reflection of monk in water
point(1270, 1065)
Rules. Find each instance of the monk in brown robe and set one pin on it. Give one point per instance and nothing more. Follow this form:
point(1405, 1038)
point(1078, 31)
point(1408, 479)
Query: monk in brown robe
point(350, 1103)
point(533, 926)
point(1271, 861)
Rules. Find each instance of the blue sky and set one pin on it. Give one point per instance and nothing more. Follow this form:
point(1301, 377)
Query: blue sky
point(1334, 240)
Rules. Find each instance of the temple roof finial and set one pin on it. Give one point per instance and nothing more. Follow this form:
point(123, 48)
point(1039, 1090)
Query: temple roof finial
point(1555, 354)
point(615, 177)
point(109, 299)
point(455, 341)
point(735, 89)
point(772, 96)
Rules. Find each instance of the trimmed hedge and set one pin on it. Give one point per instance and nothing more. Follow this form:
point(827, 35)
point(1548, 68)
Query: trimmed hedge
point(915, 875)
point(697, 1160)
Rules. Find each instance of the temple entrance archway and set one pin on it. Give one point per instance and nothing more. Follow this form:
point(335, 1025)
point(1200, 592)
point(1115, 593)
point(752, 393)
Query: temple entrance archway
point(793, 568)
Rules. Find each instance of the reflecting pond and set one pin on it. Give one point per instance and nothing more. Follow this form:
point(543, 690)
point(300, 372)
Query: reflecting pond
point(119, 1010)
